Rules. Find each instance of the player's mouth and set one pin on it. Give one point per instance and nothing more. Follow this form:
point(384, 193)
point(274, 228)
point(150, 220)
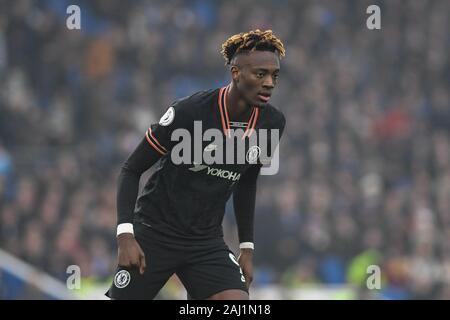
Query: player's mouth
point(264, 96)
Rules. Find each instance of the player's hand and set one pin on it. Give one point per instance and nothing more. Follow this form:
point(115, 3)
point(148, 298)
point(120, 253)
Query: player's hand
point(130, 253)
point(245, 260)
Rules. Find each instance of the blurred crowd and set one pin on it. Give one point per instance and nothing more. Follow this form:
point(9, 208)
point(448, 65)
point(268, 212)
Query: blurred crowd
point(364, 163)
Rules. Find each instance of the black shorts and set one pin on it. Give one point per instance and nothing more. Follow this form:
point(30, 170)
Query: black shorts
point(204, 268)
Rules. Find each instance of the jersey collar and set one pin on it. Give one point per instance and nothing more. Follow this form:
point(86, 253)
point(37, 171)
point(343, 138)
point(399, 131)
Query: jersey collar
point(225, 120)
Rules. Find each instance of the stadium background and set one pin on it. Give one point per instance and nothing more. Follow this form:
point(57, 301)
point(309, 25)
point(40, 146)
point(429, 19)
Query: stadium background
point(365, 162)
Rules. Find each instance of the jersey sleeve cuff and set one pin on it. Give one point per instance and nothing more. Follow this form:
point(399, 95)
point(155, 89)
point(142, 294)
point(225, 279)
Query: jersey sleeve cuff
point(247, 245)
point(125, 228)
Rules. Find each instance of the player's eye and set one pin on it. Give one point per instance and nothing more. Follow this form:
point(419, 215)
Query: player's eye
point(275, 76)
point(260, 75)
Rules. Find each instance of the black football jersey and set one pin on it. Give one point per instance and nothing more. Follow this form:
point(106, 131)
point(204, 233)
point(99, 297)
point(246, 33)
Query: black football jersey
point(186, 199)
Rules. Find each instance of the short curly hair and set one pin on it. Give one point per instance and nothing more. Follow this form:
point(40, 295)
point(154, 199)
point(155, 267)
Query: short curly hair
point(251, 41)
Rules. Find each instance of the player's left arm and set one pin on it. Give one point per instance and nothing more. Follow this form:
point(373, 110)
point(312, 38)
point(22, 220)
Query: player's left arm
point(244, 198)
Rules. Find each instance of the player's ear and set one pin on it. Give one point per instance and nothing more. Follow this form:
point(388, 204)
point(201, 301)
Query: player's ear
point(235, 73)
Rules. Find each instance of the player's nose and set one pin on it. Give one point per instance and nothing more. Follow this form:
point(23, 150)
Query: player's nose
point(268, 83)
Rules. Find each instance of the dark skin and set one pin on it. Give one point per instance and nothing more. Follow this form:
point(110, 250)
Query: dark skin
point(252, 73)
point(130, 254)
point(254, 76)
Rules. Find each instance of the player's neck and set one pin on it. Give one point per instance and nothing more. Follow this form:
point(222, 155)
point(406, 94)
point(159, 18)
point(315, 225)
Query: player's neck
point(238, 109)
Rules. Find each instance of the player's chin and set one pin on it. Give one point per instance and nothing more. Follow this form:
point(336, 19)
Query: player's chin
point(261, 101)
point(257, 101)
point(260, 104)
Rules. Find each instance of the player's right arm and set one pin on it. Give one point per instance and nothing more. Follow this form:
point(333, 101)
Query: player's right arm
point(156, 143)
point(143, 157)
